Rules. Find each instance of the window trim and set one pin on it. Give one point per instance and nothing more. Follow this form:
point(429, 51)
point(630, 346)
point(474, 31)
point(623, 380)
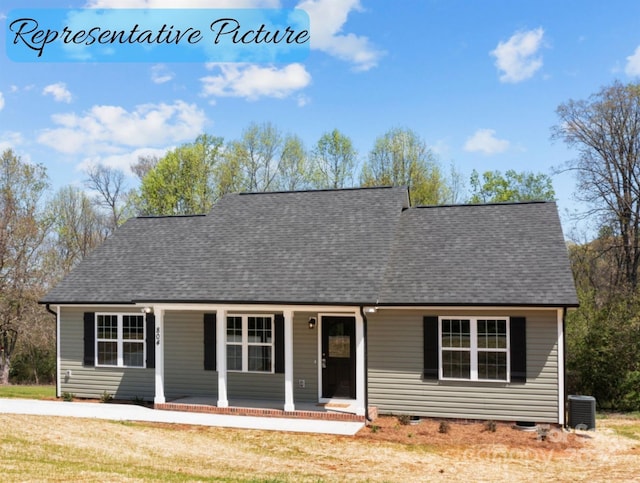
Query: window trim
point(474, 350)
point(120, 340)
point(245, 344)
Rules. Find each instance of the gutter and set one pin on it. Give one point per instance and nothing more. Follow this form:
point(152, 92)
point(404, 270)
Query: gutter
point(366, 364)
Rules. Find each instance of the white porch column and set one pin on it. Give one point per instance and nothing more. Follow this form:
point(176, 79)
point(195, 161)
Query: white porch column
point(288, 361)
point(59, 376)
point(159, 348)
point(561, 367)
point(221, 357)
point(360, 366)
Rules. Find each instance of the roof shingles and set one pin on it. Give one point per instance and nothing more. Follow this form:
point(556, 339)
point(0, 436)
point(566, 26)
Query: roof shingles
point(354, 246)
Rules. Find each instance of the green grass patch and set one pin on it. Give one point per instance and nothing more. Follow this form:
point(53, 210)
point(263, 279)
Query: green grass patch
point(628, 430)
point(28, 392)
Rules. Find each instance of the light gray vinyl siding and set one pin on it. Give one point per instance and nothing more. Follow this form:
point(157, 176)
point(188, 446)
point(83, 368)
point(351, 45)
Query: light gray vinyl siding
point(395, 353)
point(305, 357)
point(184, 373)
point(92, 382)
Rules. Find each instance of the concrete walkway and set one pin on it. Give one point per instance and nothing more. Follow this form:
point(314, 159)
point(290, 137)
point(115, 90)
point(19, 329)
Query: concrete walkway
point(131, 412)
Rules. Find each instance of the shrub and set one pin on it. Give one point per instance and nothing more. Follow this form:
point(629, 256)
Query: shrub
point(444, 427)
point(543, 432)
point(490, 426)
point(106, 397)
point(67, 396)
point(404, 419)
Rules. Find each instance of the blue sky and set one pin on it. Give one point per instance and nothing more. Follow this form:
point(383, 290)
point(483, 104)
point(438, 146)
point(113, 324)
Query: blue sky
point(479, 81)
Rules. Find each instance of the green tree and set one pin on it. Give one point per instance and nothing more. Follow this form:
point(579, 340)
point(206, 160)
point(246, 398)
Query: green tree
point(334, 160)
point(494, 187)
point(182, 182)
point(253, 162)
point(263, 159)
point(23, 230)
point(295, 169)
point(401, 158)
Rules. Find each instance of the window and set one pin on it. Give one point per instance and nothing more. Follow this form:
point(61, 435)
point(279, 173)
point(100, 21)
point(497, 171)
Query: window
point(474, 348)
point(250, 343)
point(120, 340)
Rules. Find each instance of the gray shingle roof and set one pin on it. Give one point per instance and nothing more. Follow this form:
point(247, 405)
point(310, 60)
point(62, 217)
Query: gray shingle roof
point(355, 246)
point(496, 254)
point(297, 247)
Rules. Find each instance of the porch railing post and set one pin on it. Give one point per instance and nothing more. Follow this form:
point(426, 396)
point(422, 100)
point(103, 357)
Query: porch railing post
point(221, 357)
point(288, 361)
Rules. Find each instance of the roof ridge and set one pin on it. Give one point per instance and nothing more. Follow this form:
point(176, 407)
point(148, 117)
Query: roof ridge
point(493, 203)
point(169, 216)
point(333, 190)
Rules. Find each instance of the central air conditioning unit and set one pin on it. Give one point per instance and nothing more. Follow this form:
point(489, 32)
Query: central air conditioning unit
point(582, 412)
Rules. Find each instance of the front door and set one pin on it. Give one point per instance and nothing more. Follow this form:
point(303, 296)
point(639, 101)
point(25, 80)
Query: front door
point(338, 357)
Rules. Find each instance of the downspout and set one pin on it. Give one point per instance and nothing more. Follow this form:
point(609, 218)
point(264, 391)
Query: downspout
point(55, 314)
point(366, 364)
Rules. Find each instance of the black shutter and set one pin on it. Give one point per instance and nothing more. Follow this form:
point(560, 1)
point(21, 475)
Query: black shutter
point(431, 347)
point(278, 321)
point(210, 342)
point(89, 339)
point(518, 339)
point(151, 341)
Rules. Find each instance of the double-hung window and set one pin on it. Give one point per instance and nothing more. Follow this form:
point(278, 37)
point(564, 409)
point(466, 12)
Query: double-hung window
point(250, 343)
point(474, 348)
point(120, 340)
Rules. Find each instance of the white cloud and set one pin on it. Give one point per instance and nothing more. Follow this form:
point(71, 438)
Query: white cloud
point(1, 101)
point(160, 74)
point(10, 140)
point(121, 161)
point(327, 19)
point(516, 57)
point(486, 142)
point(302, 100)
point(183, 4)
point(59, 92)
point(632, 69)
point(253, 81)
point(112, 129)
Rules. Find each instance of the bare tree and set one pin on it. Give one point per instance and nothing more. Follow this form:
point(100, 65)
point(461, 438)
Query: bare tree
point(109, 184)
point(77, 228)
point(605, 130)
point(144, 164)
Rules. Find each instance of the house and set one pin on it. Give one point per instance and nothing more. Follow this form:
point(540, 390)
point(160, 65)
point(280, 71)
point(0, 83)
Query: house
point(348, 297)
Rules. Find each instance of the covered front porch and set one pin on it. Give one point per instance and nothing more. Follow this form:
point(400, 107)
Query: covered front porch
point(312, 360)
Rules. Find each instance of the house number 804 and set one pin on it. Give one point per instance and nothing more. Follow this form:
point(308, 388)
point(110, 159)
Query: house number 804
point(157, 335)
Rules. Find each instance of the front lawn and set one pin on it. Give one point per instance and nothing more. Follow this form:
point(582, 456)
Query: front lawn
point(28, 392)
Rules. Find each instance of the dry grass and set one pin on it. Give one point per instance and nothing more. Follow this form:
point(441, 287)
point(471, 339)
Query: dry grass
point(63, 449)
